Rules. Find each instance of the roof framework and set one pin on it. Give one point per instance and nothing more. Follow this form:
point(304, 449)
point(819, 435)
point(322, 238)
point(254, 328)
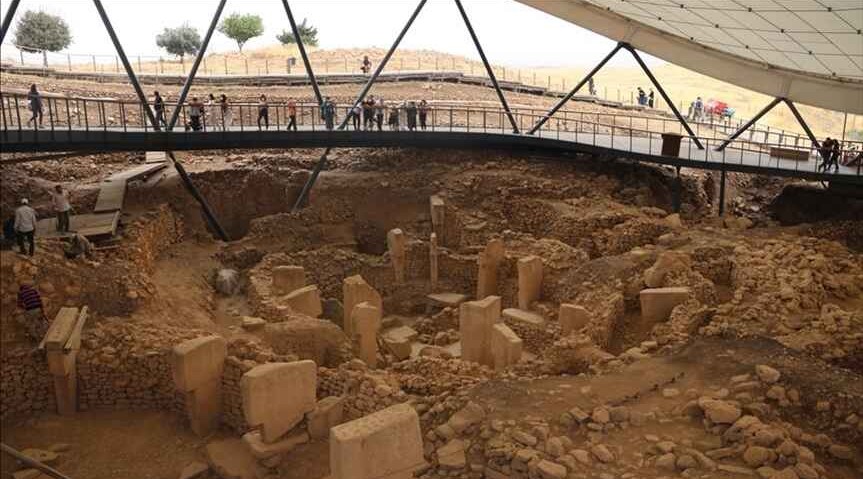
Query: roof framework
point(809, 51)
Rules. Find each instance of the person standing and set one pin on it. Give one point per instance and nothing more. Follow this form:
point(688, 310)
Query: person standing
point(159, 108)
point(196, 110)
point(394, 118)
point(62, 208)
point(292, 114)
point(699, 108)
point(329, 108)
point(366, 66)
point(356, 111)
point(227, 116)
point(25, 226)
point(34, 100)
point(368, 112)
point(835, 154)
point(209, 109)
point(379, 113)
point(411, 112)
point(263, 112)
point(591, 87)
point(826, 153)
point(650, 99)
point(423, 110)
point(32, 316)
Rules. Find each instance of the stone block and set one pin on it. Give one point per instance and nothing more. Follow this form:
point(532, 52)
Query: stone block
point(383, 445)
point(306, 300)
point(476, 319)
point(231, 459)
point(264, 450)
point(526, 318)
point(203, 407)
point(489, 262)
point(356, 290)
point(506, 346)
point(288, 278)
point(529, 280)
point(197, 361)
point(367, 321)
point(572, 318)
point(61, 329)
point(328, 413)
point(446, 300)
point(276, 396)
point(400, 341)
point(396, 242)
point(657, 303)
point(66, 392)
point(253, 324)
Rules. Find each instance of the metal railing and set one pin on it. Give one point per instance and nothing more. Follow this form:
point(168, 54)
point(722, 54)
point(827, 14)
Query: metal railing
point(628, 132)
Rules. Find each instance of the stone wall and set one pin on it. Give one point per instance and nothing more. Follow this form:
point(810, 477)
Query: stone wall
point(26, 387)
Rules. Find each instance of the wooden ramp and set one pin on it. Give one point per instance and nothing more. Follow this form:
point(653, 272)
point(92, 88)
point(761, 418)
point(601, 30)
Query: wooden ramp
point(112, 191)
point(92, 226)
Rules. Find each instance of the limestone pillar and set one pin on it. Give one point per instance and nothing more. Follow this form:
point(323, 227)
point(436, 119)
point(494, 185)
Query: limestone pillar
point(306, 300)
point(288, 278)
point(529, 281)
point(438, 208)
point(657, 303)
point(197, 366)
point(489, 262)
point(276, 396)
point(506, 346)
point(355, 291)
point(433, 264)
point(61, 343)
point(385, 444)
point(476, 319)
point(396, 244)
point(367, 321)
point(572, 318)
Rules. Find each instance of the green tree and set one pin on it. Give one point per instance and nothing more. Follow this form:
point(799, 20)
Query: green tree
point(40, 31)
point(179, 41)
point(308, 34)
point(241, 28)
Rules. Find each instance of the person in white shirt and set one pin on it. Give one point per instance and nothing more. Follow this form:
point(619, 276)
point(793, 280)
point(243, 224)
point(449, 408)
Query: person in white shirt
point(61, 207)
point(25, 226)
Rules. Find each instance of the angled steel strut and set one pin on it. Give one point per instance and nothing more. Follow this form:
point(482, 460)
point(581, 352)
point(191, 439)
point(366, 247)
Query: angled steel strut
point(487, 67)
point(368, 86)
point(7, 20)
point(303, 54)
point(194, 71)
point(211, 217)
point(763, 112)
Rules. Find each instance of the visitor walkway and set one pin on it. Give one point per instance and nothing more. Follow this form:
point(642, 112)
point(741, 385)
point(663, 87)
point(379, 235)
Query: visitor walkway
point(91, 125)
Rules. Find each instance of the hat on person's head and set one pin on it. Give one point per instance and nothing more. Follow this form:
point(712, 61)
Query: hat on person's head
point(25, 201)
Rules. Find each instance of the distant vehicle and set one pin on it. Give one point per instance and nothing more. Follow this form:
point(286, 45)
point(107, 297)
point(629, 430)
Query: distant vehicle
point(718, 108)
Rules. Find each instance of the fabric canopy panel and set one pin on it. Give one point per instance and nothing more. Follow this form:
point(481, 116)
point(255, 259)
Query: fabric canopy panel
point(809, 51)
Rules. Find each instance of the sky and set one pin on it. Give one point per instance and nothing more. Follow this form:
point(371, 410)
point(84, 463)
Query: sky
point(510, 33)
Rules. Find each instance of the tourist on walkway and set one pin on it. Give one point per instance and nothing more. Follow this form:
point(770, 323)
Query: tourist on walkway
point(78, 244)
point(642, 98)
point(366, 66)
point(159, 108)
point(32, 316)
point(25, 226)
point(379, 113)
point(292, 114)
point(62, 208)
point(650, 99)
point(826, 152)
point(227, 116)
point(698, 109)
point(328, 111)
point(356, 111)
point(209, 110)
point(835, 153)
point(411, 111)
point(196, 111)
point(591, 87)
point(34, 100)
point(263, 112)
point(423, 110)
point(394, 118)
point(368, 112)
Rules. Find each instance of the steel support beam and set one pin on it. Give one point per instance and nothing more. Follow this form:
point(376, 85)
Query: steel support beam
point(721, 192)
point(368, 86)
point(572, 92)
point(26, 460)
point(802, 122)
point(303, 54)
point(7, 20)
point(152, 118)
point(665, 96)
point(487, 66)
point(748, 124)
point(200, 56)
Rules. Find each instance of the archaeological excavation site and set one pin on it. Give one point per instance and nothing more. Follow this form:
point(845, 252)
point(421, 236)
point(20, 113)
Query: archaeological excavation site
point(526, 284)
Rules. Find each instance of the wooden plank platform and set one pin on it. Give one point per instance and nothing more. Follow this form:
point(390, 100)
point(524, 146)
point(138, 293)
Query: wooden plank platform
point(111, 196)
point(137, 172)
point(88, 225)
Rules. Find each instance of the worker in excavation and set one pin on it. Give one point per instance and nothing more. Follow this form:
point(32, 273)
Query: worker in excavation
point(25, 226)
point(78, 245)
point(62, 208)
point(32, 316)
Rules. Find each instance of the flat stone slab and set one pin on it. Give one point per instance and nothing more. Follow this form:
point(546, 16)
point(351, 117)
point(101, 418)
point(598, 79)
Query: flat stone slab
point(276, 396)
point(61, 329)
point(444, 300)
point(264, 450)
point(198, 361)
point(524, 317)
point(401, 333)
point(231, 459)
point(253, 324)
point(657, 303)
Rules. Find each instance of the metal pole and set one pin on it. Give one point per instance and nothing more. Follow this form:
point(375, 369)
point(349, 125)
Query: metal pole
point(7, 20)
point(211, 217)
point(572, 93)
point(189, 79)
point(802, 122)
point(722, 192)
point(322, 161)
point(488, 67)
point(748, 124)
point(303, 54)
point(32, 463)
point(665, 97)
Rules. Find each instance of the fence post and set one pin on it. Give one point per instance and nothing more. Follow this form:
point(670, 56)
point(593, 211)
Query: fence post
point(183, 65)
point(534, 78)
point(246, 60)
point(267, 66)
point(225, 58)
point(346, 64)
point(549, 82)
point(69, 61)
point(401, 63)
point(139, 64)
point(435, 63)
point(161, 65)
point(205, 66)
point(327, 65)
point(564, 84)
point(93, 57)
point(288, 65)
point(419, 63)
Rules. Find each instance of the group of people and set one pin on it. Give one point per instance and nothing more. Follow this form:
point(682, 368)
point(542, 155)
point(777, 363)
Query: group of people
point(20, 229)
point(645, 99)
point(830, 152)
point(696, 109)
point(370, 114)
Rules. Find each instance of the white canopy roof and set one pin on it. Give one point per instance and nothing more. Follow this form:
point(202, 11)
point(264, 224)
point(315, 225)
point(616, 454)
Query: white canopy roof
point(810, 51)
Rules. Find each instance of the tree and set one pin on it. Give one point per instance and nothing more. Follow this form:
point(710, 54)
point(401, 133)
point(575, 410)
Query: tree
point(308, 34)
point(241, 28)
point(40, 31)
point(179, 41)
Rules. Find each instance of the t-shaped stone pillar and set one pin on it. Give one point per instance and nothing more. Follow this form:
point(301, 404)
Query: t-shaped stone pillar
point(506, 346)
point(61, 343)
point(476, 319)
point(367, 321)
point(433, 264)
point(489, 262)
point(396, 244)
point(438, 210)
point(529, 281)
point(276, 396)
point(197, 366)
point(288, 278)
point(355, 291)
